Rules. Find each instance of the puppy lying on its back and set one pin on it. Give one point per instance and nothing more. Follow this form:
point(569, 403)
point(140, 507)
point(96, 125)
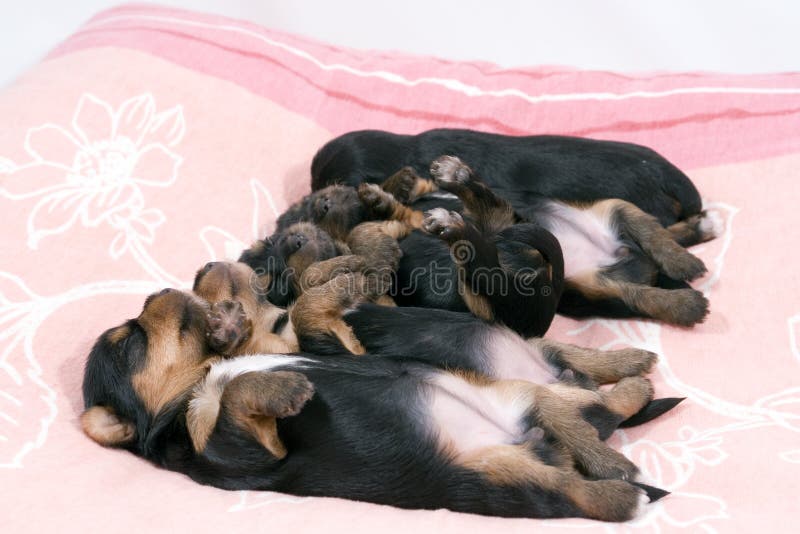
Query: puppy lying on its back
point(307, 425)
point(341, 314)
point(513, 275)
point(520, 169)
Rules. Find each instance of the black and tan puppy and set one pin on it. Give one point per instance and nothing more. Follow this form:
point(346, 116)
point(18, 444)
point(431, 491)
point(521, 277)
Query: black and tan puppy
point(521, 170)
point(512, 274)
point(307, 425)
point(614, 253)
point(340, 313)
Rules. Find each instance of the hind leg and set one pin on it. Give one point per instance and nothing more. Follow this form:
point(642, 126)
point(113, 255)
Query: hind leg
point(406, 186)
point(656, 241)
point(515, 467)
point(318, 312)
point(557, 410)
point(695, 229)
point(598, 365)
point(381, 205)
point(628, 396)
point(683, 307)
point(491, 213)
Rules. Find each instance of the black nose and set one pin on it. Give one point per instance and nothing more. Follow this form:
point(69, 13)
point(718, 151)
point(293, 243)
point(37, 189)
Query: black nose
point(297, 241)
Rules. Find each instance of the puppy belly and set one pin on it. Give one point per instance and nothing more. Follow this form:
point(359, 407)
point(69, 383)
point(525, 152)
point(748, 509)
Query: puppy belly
point(587, 239)
point(512, 358)
point(466, 417)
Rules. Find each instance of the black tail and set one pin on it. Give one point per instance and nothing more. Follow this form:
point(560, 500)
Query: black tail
point(653, 493)
point(651, 410)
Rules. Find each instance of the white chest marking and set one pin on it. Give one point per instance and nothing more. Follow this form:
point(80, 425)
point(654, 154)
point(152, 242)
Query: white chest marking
point(587, 240)
point(467, 417)
point(513, 358)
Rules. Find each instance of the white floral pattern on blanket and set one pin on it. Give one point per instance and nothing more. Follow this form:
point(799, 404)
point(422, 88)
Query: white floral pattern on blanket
point(108, 196)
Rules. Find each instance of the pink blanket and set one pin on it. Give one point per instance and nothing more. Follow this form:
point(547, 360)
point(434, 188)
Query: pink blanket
point(154, 140)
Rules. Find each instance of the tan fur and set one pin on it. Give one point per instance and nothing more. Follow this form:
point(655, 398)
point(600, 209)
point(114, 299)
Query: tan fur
point(322, 272)
point(492, 213)
point(102, 425)
point(118, 334)
point(600, 366)
point(478, 304)
point(515, 465)
point(383, 205)
point(509, 465)
point(656, 241)
point(215, 286)
point(254, 400)
point(557, 411)
point(423, 187)
point(674, 306)
point(406, 186)
point(319, 310)
point(168, 372)
point(628, 396)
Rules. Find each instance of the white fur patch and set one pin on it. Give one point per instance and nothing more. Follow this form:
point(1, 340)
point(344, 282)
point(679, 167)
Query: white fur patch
point(204, 405)
point(587, 239)
point(711, 225)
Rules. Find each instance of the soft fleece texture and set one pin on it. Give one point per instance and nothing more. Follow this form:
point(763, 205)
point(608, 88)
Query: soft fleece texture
point(154, 140)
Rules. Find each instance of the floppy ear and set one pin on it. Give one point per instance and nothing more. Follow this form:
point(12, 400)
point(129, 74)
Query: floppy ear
point(255, 401)
point(104, 426)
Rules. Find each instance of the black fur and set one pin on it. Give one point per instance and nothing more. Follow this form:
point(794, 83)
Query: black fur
point(519, 169)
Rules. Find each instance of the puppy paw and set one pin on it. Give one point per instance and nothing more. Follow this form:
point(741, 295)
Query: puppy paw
point(684, 307)
point(443, 223)
point(606, 463)
point(228, 327)
point(449, 169)
point(295, 391)
point(611, 500)
point(378, 202)
point(401, 185)
point(684, 266)
point(632, 362)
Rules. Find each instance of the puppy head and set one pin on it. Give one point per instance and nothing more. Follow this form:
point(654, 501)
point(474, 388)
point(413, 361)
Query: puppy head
point(285, 256)
point(235, 281)
point(139, 373)
point(336, 209)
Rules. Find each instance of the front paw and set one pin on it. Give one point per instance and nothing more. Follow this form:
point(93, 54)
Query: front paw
point(445, 224)
point(295, 391)
point(228, 327)
point(378, 203)
point(401, 184)
point(449, 169)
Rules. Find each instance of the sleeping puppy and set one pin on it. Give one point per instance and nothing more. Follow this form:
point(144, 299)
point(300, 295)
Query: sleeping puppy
point(512, 275)
point(374, 429)
point(341, 314)
point(521, 170)
point(614, 253)
point(337, 209)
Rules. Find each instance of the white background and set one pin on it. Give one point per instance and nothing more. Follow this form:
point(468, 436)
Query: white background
point(627, 35)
